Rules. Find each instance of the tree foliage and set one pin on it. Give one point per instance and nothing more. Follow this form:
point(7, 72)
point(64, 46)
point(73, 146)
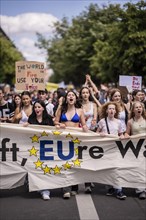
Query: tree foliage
point(104, 42)
point(8, 56)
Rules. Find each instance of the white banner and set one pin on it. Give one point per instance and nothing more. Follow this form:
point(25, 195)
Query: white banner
point(58, 158)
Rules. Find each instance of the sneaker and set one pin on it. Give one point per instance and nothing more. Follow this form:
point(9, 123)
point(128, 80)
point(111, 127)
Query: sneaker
point(121, 195)
point(66, 195)
point(88, 190)
point(45, 196)
point(73, 193)
point(110, 192)
point(142, 195)
point(92, 185)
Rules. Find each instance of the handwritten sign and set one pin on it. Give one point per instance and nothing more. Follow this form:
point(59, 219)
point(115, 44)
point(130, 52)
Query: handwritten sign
point(131, 82)
point(30, 75)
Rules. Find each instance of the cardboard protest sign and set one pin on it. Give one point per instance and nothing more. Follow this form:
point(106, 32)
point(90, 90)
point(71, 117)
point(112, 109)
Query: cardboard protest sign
point(30, 75)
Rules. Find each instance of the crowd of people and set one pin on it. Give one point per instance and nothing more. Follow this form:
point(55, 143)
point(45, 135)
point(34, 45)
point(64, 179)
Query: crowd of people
point(88, 108)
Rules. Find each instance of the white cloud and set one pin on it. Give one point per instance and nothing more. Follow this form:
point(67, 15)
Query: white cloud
point(27, 41)
point(30, 51)
point(29, 22)
point(22, 29)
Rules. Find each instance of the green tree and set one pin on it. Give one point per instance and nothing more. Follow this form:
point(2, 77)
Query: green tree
point(70, 50)
point(8, 56)
point(104, 42)
point(124, 52)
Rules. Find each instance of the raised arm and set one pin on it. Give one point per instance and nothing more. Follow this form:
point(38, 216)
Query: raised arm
point(128, 129)
point(83, 122)
point(57, 122)
point(88, 79)
point(94, 98)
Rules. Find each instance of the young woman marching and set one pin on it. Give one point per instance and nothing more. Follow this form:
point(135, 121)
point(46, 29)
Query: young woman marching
point(40, 116)
point(70, 114)
point(110, 124)
point(137, 125)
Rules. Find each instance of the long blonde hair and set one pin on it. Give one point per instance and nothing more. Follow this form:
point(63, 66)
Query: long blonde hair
point(132, 114)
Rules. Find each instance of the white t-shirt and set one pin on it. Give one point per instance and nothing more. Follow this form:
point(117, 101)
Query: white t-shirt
point(115, 126)
point(49, 107)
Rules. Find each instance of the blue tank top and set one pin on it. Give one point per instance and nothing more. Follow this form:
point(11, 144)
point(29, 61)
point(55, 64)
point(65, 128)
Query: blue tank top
point(74, 119)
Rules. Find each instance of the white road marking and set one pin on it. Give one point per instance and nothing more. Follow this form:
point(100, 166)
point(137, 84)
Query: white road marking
point(86, 208)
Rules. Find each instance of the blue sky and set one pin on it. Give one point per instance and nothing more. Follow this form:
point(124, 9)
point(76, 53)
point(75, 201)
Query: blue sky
point(58, 8)
point(21, 19)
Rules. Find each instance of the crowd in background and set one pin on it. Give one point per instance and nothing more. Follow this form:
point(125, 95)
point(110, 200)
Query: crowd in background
point(102, 110)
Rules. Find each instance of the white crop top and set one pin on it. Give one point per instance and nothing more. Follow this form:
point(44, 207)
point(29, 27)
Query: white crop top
point(24, 117)
point(89, 115)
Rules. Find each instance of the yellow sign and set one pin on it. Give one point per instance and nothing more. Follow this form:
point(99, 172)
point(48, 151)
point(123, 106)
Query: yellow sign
point(51, 86)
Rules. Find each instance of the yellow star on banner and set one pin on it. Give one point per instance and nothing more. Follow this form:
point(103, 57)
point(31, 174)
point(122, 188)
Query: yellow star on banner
point(38, 164)
point(76, 162)
point(67, 166)
point(69, 135)
point(56, 132)
point(44, 134)
point(56, 169)
point(35, 138)
point(33, 151)
point(76, 150)
point(76, 141)
point(46, 169)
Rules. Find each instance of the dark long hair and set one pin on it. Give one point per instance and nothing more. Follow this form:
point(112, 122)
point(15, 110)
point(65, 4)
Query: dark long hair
point(14, 103)
point(45, 114)
point(65, 104)
point(25, 93)
point(80, 93)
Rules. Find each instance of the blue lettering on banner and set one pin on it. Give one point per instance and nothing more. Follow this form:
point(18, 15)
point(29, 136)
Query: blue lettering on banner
point(44, 149)
point(60, 150)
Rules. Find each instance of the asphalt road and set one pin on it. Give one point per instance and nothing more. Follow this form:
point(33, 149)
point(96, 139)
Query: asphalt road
point(18, 204)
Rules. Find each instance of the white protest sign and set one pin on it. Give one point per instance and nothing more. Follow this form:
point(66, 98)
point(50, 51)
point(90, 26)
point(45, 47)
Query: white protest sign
point(131, 82)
